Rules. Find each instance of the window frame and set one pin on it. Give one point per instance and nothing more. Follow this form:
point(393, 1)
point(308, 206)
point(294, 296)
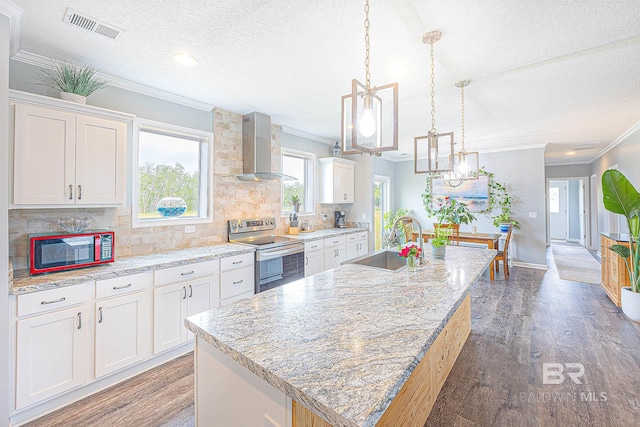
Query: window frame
point(310, 181)
point(206, 172)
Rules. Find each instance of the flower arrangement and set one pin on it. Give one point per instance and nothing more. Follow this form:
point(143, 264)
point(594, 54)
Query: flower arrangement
point(454, 212)
point(411, 253)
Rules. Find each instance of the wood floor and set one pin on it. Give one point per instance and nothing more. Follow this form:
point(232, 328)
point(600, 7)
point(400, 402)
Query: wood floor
point(519, 324)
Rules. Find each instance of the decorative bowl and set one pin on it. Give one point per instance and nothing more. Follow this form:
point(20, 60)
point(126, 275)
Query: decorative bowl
point(171, 207)
point(74, 225)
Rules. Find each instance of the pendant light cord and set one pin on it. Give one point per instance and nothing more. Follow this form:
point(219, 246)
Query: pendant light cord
point(433, 102)
point(367, 26)
point(462, 99)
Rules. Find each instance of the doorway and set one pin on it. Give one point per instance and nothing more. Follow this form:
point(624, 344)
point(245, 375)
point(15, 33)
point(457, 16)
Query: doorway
point(567, 211)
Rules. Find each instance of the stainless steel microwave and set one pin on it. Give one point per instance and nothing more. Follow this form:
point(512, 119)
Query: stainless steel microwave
point(50, 253)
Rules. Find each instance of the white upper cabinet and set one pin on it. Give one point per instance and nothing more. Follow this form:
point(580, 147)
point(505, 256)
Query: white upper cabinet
point(336, 180)
point(62, 158)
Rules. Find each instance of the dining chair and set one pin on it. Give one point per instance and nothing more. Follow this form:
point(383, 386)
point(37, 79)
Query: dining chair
point(407, 224)
point(453, 231)
point(503, 255)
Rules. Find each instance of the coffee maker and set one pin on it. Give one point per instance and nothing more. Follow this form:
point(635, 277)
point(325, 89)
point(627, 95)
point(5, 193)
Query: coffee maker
point(341, 220)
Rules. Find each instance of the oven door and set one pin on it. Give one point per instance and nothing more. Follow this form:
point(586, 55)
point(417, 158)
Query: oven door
point(278, 266)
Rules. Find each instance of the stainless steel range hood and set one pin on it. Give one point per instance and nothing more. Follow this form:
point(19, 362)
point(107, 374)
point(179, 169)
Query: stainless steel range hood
point(256, 150)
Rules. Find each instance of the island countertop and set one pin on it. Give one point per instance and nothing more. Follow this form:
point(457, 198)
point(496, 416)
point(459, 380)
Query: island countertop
point(343, 342)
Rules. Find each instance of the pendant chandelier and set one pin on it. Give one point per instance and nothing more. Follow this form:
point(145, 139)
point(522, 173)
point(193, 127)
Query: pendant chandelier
point(438, 144)
point(465, 164)
point(369, 114)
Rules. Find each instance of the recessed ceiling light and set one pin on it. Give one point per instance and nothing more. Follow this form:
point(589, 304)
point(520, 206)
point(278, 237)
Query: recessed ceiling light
point(185, 59)
point(570, 153)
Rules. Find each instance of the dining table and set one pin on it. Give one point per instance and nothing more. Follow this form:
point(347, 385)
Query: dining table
point(489, 239)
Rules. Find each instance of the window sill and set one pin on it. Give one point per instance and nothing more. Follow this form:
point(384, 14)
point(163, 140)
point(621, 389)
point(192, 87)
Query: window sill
point(140, 223)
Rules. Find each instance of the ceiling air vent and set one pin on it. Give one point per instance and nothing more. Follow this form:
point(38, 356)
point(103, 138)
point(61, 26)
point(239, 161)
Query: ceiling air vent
point(92, 24)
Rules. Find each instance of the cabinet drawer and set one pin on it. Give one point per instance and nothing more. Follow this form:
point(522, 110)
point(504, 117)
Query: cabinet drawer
point(316, 245)
point(52, 299)
point(236, 282)
point(235, 262)
point(330, 242)
point(364, 235)
point(185, 272)
point(352, 237)
point(121, 285)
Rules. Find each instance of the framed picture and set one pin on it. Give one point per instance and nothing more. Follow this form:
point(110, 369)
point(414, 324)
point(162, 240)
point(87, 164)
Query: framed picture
point(475, 193)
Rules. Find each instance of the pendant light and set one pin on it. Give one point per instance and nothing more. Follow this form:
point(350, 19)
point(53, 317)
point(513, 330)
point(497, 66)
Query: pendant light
point(465, 164)
point(369, 114)
point(434, 141)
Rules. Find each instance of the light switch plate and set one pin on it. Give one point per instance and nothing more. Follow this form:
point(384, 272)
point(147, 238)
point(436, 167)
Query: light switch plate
point(190, 229)
point(533, 214)
point(364, 215)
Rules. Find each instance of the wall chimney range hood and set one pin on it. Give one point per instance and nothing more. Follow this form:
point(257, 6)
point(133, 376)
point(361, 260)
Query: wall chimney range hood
point(256, 150)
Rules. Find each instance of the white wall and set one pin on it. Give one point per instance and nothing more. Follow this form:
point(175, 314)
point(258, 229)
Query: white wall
point(4, 206)
point(521, 170)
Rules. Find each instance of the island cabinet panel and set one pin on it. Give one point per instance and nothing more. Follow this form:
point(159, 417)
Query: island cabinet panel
point(614, 271)
point(413, 403)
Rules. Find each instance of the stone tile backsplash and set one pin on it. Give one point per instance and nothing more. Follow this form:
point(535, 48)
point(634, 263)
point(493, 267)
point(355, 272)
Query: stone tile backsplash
point(231, 199)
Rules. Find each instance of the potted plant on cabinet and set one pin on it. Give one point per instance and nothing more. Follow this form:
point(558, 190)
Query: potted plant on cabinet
point(621, 197)
point(75, 82)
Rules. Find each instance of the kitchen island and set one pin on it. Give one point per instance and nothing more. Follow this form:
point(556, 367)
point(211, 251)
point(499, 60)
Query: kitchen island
point(354, 346)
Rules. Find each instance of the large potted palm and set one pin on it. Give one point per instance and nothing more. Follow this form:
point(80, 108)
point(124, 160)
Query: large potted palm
point(621, 197)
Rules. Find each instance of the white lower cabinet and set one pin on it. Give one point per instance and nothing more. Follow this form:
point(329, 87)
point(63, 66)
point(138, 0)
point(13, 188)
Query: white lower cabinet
point(121, 323)
point(313, 257)
point(50, 347)
point(237, 278)
point(172, 304)
point(335, 251)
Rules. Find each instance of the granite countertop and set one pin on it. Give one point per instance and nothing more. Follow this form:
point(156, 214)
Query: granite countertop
point(618, 237)
point(344, 341)
point(321, 234)
point(24, 283)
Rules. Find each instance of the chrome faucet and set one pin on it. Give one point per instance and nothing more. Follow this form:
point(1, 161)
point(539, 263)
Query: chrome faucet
point(414, 220)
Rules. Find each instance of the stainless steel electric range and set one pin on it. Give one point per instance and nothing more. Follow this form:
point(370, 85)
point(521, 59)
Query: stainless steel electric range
point(279, 259)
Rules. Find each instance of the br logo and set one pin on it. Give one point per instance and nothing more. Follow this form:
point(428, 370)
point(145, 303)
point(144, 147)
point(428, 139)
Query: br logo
point(554, 373)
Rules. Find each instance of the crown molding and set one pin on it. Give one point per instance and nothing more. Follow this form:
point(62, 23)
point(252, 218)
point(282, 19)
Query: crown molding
point(43, 61)
point(14, 13)
point(619, 140)
point(306, 135)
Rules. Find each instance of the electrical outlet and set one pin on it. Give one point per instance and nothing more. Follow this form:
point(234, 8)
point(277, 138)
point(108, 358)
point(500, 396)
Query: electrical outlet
point(364, 216)
point(325, 217)
point(190, 229)
point(533, 214)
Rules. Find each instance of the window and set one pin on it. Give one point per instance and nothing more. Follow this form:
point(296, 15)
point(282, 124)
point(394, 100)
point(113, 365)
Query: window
point(381, 185)
point(172, 179)
point(299, 165)
point(554, 200)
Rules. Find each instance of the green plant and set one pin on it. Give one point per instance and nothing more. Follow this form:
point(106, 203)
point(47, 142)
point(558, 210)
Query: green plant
point(440, 237)
point(295, 199)
point(78, 79)
point(390, 218)
point(499, 197)
point(454, 212)
point(621, 197)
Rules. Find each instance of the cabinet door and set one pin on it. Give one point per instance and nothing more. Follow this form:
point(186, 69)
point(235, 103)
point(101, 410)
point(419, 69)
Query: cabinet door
point(169, 309)
point(346, 174)
point(198, 298)
point(50, 355)
point(44, 156)
point(313, 263)
point(352, 250)
point(334, 256)
point(121, 332)
point(100, 161)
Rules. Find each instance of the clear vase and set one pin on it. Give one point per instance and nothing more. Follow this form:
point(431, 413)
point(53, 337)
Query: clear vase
point(411, 263)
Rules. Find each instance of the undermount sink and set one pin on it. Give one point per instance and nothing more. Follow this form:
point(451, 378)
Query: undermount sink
point(384, 260)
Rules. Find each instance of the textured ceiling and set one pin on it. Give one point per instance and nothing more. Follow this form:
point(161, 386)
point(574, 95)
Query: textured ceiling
point(563, 73)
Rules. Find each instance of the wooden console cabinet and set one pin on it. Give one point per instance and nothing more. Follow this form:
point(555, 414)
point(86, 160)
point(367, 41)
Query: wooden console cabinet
point(614, 270)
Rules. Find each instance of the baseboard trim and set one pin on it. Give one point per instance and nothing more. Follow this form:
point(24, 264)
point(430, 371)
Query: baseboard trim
point(530, 265)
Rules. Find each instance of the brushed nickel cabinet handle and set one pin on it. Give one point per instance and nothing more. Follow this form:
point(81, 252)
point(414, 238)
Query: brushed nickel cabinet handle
point(190, 291)
point(128, 285)
point(53, 301)
point(237, 262)
point(100, 315)
point(306, 260)
point(345, 196)
point(70, 192)
point(79, 320)
point(187, 273)
point(79, 192)
point(238, 282)
point(184, 290)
